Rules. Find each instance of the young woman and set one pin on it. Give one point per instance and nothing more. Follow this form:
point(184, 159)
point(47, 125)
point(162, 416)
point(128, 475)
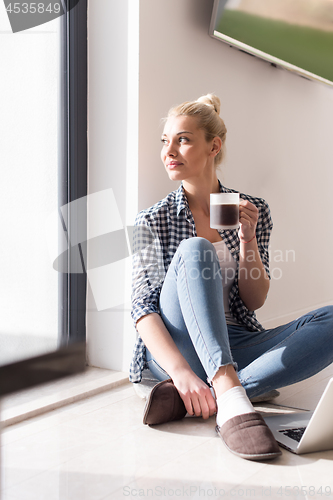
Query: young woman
point(195, 290)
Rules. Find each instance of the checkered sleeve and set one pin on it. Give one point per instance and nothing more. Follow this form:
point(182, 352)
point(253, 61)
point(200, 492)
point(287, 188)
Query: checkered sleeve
point(263, 233)
point(147, 267)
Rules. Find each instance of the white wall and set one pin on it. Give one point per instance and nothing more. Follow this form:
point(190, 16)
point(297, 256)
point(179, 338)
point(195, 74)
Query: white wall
point(278, 144)
point(112, 155)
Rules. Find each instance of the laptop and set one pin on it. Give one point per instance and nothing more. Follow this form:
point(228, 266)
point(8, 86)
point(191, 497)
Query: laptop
point(306, 432)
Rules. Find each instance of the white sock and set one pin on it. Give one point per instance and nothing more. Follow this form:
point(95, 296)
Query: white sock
point(232, 403)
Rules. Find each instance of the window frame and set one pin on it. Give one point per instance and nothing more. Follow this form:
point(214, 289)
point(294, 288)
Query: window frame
point(73, 161)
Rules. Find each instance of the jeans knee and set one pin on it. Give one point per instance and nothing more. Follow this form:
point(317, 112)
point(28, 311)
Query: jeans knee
point(328, 312)
point(198, 249)
point(196, 243)
point(324, 318)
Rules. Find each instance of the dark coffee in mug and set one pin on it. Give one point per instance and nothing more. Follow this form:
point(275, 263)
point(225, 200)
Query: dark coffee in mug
point(224, 210)
point(224, 215)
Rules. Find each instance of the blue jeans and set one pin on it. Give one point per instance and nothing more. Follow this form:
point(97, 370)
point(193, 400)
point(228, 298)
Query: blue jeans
point(191, 304)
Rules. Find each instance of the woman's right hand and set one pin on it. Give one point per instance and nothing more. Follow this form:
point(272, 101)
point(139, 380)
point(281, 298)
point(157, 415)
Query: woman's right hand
point(196, 395)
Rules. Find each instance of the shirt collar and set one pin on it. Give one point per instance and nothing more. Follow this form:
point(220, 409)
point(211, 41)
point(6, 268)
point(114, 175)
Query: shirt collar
point(223, 189)
point(181, 200)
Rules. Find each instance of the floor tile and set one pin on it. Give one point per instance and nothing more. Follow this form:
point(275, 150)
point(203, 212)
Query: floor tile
point(38, 452)
point(294, 476)
point(101, 400)
point(206, 470)
point(105, 469)
point(98, 449)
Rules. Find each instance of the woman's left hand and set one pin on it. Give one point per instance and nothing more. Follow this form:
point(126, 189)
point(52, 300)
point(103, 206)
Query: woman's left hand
point(248, 218)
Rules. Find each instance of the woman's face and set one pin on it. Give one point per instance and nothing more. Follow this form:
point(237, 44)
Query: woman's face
point(185, 152)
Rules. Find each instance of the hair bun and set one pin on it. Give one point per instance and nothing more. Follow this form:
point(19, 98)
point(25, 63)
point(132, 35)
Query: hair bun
point(211, 100)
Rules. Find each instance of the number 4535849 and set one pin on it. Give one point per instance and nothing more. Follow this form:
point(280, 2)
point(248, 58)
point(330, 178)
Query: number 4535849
point(33, 8)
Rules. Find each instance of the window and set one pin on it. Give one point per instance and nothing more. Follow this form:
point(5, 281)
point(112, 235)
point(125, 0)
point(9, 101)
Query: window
point(43, 120)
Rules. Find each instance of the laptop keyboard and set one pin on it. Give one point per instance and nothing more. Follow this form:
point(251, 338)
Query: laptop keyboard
point(295, 434)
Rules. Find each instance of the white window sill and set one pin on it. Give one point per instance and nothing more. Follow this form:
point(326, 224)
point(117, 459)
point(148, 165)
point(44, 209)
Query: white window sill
point(41, 399)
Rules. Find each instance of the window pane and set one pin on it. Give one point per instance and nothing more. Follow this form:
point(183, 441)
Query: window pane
point(29, 62)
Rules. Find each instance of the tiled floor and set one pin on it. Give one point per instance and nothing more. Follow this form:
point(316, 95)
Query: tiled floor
point(98, 449)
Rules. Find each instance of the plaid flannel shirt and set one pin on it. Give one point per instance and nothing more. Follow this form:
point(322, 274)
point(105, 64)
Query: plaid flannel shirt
point(158, 232)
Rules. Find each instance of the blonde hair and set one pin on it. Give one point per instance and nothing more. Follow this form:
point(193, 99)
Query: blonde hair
point(207, 111)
